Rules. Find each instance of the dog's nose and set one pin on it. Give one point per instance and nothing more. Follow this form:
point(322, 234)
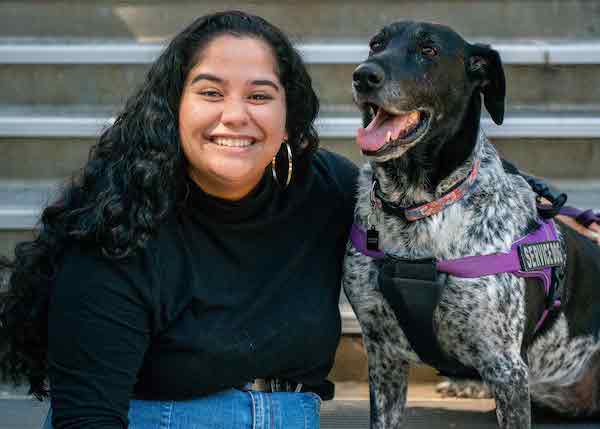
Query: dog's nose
point(368, 76)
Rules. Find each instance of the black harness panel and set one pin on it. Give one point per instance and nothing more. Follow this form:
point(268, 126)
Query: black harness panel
point(413, 289)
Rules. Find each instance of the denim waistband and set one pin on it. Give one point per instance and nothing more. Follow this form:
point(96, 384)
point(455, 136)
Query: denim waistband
point(228, 409)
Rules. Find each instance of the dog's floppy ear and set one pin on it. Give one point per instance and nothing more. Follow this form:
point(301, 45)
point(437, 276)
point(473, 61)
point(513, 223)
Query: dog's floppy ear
point(485, 66)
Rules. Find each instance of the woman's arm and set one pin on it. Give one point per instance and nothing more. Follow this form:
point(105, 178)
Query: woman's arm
point(98, 331)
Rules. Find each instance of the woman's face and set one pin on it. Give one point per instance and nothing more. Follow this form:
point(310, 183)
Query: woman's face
point(232, 115)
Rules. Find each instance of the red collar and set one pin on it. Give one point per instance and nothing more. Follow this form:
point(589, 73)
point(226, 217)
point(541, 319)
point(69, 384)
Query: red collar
point(460, 189)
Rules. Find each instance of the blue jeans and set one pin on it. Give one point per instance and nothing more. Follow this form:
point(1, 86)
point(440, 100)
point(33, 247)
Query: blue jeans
point(229, 409)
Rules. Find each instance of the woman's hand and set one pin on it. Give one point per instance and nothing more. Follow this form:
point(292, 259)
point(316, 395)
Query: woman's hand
point(592, 231)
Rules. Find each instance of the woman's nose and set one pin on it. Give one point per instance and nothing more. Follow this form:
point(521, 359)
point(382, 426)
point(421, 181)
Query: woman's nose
point(235, 112)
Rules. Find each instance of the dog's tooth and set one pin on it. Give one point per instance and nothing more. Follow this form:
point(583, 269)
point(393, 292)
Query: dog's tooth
point(388, 137)
point(413, 119)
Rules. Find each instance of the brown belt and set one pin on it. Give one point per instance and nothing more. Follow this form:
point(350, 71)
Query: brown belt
point(271, 385)
point(325, 390)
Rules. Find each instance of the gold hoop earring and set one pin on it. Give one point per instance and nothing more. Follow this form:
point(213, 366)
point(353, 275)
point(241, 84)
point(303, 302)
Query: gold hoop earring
point(290, 166)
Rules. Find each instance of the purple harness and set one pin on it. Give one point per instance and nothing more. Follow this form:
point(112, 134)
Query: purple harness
point(531, 256)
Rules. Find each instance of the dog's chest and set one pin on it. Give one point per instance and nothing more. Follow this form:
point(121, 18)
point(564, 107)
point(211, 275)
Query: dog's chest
point(442, 236)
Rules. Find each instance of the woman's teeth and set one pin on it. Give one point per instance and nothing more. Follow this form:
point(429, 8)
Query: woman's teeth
point(232, 142)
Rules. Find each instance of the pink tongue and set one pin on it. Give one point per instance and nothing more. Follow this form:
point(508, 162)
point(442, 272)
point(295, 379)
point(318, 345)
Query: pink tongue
point(372, 138)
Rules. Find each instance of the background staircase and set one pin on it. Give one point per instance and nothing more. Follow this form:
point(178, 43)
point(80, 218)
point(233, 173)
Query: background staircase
point(66, 68)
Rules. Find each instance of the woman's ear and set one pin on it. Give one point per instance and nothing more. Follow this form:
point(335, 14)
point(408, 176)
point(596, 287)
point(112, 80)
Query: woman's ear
point(485, 67)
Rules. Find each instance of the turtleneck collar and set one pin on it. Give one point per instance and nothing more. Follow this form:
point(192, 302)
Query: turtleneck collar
point(202, 205)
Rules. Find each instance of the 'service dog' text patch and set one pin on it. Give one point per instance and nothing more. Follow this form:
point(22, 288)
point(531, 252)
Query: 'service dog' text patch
point(536, 256)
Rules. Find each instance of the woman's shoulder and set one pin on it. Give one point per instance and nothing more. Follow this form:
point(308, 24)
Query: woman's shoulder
point(342, 172)
point(89, 269)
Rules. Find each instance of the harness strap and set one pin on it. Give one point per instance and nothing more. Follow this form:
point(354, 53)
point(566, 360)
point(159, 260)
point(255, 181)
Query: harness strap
point(584, 217)
point(512, 262)
point(517, 261)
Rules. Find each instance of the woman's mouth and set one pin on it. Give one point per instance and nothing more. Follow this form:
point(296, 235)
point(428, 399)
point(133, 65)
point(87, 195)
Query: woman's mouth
point(232, 141)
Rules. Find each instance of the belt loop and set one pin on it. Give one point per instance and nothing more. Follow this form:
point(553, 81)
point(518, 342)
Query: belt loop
point(258, 417)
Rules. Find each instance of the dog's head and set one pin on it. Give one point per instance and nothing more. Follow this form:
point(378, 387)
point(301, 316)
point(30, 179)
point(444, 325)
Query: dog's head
point(417, 84)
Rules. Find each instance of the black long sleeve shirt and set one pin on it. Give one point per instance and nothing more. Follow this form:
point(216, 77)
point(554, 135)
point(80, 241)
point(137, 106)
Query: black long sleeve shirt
point(224, 293)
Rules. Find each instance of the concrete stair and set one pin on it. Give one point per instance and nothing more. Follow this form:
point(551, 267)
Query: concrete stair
point(92, 72)
point(311, 19)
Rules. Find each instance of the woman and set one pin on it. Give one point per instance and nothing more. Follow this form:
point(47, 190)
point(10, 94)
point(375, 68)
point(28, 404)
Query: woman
point(181, 265)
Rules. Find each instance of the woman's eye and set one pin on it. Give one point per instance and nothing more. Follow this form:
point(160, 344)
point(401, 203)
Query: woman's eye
point(210, 93)
point(429, 51)
point(261, 97)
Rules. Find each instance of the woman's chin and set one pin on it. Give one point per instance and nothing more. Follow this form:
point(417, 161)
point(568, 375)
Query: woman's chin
point(229, 179)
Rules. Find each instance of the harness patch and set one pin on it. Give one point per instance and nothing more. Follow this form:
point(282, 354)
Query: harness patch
point(537, 256)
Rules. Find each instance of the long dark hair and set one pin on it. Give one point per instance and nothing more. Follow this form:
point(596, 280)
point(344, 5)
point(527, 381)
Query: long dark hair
point(134, 178)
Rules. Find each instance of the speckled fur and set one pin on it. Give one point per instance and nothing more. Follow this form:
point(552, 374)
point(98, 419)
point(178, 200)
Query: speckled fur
point(480, 322)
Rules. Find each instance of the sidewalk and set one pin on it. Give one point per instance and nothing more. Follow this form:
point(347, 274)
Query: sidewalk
point(426, 410)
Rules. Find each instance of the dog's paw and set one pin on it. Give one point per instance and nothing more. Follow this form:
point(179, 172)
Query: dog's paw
point(464, 388)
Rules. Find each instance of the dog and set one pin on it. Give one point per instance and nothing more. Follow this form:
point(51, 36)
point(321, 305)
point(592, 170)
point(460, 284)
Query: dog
point(420, 92)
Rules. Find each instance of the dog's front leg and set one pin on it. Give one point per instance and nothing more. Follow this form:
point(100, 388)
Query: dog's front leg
point(388, 381)
point(388, 350)
point(508, 377)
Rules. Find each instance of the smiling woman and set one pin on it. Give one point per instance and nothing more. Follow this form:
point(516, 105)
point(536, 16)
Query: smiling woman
point(169, 284)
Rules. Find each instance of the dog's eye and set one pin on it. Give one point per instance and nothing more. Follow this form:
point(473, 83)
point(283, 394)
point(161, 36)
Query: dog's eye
point(377, 45)
point(429, 51)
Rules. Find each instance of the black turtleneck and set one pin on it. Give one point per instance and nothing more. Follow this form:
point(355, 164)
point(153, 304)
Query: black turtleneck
point(226, 292)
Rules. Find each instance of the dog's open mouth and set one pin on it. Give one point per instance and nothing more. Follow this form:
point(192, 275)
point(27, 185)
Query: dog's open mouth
point(387, 129)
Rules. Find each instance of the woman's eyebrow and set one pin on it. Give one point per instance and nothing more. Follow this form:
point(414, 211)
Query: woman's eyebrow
point(265, 82)
point(216, 79)
point(206, 76)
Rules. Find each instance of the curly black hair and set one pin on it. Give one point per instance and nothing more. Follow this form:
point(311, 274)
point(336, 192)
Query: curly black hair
point(133, 179)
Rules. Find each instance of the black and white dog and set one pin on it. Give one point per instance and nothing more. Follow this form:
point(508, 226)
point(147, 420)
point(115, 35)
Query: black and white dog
point(435, 190)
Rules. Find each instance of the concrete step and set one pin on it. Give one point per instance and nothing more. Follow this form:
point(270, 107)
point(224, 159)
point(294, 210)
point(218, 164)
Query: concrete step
point(549, 51)
point(333, 123)
point(35, 159)
point(539, 72)
point(50, 143)
point(21, 205)
point(42, 159)
point(160, 19)
point(557, 86)
point(343, 414)
point(560, 158)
